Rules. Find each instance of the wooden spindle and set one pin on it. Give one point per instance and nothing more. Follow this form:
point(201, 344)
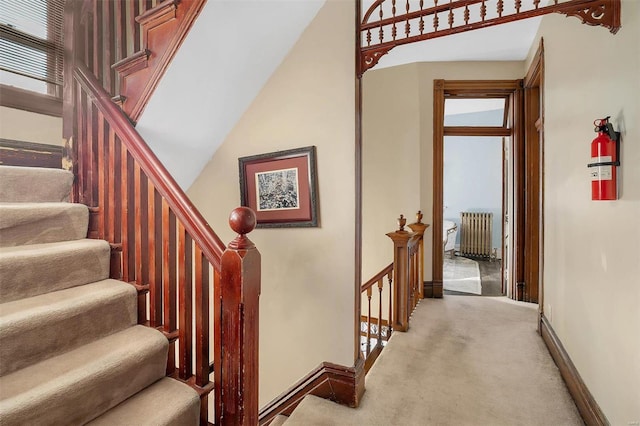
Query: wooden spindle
point(113, 176)
point(102, 183)
point(450, 16)
point(407, 25)
point(500, 8)
point(202, 317)
point(518, 5)
point(421, 22)
point(394, 28)
point(155, 290)
point(169, 278)
point(97, 41)
point(139, 213)
point(389, 322)
point(380, 288)
point(483, 10)
point(380, 31)
point(108, 46)
point(369, 320)
point(466, 14)
point(185, 264)
point(134, 11)
point(237, 307)
point(536, 3)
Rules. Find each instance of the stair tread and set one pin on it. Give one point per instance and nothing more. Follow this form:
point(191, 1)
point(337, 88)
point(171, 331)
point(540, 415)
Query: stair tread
point(86, 381)
point(46, 325)
point(166, 402)
point(23, 184)
point(33, 223)
point(34, 269)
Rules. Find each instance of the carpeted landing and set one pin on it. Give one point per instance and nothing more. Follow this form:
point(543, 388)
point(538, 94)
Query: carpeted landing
point(466, 360)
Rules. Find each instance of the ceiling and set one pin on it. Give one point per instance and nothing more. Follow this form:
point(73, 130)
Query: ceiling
point(506, 42)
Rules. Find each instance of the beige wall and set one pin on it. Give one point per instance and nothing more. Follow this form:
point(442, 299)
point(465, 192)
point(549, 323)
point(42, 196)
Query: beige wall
point(592, 249)
point(306, 305)
point(398, 125)
point(27, 126)
point(390, 160)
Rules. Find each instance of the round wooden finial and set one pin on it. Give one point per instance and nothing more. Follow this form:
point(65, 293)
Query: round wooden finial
point(242, 220)
point(419, 216)
point(402, 221)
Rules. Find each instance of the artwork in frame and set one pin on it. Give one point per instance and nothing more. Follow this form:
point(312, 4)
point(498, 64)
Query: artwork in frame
point(281, 187)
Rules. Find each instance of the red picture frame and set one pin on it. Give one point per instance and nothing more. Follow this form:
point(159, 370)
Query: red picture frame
point(280, 187)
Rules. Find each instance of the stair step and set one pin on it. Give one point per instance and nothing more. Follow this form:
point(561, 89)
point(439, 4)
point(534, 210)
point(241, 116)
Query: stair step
point(166, 402)
point(34, 223)
point(78, 386)
point(27, 271)
point(47, 325)
point(34, 184)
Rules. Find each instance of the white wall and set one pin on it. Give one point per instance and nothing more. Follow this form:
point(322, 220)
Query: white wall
point(28, 126)
point(307, 300)
point(592, 249)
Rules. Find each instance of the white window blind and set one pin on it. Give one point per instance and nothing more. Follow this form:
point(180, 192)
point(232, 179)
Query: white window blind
point(31, 44)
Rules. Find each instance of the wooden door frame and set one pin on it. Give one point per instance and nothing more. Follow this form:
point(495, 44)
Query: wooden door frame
point(511, 89)
point(534, 181)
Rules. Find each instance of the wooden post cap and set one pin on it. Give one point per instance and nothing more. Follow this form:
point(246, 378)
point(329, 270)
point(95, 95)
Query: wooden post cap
point(419, 216)
point(242, 220)
point(402, 221)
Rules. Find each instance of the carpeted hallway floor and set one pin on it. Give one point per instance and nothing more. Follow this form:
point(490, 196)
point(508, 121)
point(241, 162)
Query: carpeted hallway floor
point(466, 360)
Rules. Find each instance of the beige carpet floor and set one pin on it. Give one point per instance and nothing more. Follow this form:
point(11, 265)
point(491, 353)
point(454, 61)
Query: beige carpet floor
point(466, 360)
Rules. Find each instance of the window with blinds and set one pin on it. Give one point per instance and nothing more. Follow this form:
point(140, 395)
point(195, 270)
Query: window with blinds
point(31, 45)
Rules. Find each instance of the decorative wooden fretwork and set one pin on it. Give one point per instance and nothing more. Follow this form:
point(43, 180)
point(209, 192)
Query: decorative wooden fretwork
point(390, 23)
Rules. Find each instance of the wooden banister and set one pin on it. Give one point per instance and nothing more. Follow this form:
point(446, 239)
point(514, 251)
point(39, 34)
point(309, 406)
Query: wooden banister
point(371, 326)
point(401, 290)
point(377, 277)
point(210, 244)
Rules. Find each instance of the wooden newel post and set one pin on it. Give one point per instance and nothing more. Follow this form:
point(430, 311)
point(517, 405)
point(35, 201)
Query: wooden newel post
point(400, 311)
point(418, 227)
point(236, 366)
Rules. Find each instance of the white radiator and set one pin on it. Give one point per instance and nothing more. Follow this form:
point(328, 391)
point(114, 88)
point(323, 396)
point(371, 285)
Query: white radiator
point(476, 231)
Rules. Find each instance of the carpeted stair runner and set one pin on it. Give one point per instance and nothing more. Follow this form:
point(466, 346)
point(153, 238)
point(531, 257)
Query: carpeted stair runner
point(70, 349)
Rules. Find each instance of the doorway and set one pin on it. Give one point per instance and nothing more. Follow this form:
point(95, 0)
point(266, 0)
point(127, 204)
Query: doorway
point(473, 196)
point(511, 132)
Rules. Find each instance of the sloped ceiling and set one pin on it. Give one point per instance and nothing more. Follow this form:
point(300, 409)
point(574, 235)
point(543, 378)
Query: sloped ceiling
point(227, 57)
point(233, 49)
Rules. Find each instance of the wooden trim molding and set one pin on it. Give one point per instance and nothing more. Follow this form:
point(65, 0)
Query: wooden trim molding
point(344, 385)
point(13, 97)
point(29, 154)
point(587, 405)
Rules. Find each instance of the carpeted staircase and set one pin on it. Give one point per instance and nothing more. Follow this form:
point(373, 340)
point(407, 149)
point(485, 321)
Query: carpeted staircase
point(71, 351)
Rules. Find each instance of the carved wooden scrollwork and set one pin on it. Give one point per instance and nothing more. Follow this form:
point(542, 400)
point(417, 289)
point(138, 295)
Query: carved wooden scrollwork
point(370, 58)
point(604, 13)
point(386, 26)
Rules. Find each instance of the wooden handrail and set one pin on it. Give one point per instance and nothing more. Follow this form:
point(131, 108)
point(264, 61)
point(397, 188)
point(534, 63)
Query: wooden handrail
point(199, 229)
point(377, 277)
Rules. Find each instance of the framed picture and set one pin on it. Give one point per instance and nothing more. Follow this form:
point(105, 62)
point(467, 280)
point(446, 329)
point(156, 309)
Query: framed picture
point(281, 187)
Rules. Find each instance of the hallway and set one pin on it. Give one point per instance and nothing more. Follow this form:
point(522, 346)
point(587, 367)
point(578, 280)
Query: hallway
point(466, 360)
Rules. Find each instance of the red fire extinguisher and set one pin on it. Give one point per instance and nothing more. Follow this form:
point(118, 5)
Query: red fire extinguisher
point(605, 151)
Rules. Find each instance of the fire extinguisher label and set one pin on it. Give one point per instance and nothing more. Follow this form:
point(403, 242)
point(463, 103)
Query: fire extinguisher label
point(601, 172)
